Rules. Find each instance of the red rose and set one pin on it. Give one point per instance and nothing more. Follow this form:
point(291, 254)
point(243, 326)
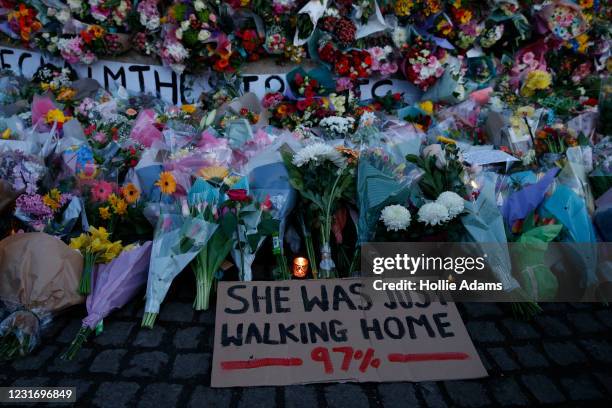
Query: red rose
point(343, 66)
point(239, 195)
point(302, 104)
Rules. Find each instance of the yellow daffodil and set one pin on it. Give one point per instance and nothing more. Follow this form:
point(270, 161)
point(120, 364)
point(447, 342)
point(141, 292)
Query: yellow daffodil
point(6, 134)
point(80, 242)
point(105, 213)
point(120, 207)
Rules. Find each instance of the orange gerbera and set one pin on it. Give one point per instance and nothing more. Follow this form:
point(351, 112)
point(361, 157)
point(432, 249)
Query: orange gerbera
point(166, 183)
point(130, 193)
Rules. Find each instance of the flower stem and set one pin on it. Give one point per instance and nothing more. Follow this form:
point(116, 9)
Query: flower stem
point(148, 320)
point(85, 284)
point(203, 289)
point(77, 343)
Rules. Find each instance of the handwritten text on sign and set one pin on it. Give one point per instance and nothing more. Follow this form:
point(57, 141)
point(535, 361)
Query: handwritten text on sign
point(171, 87)
point(280, 333)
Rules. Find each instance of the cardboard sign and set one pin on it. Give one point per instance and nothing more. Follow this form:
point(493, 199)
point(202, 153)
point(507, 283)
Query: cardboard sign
point(280, 333)
point(177, 89)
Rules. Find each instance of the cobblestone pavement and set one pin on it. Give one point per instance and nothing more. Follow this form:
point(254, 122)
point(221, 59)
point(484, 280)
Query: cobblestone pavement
point(561, 358)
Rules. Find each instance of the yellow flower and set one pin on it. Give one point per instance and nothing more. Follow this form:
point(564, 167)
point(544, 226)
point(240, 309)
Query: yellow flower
point(82, 241)
point(55, 115)
point(466, 16)
point(427, 107)
point(403, 7)
point(214, 172)
point(166, 183)
point(6, 134)
point(111, 251)
point(52, 198)
point(586, 4)
point(446, 140)
point(99, 233)
point(104, 213)
point(231, 180)
point(97, 245)
point(120, 207)
point(112, 199)
point(66, 94)
point(525, 111)
point(130, 193)
point(536, 80)
point(188, 108)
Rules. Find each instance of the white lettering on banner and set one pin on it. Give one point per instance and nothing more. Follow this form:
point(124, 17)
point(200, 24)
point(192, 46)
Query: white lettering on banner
point(171, 87)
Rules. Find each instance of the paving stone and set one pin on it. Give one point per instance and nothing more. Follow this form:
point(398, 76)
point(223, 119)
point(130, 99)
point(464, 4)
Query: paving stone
point(600, 350)
point(346, 395)
point(503, 359)
point(484, 359)
point(176, 312)
point(467, 393)
point(585, 323)
point(543, 389)
point(580, 388)
point(210, 397)
point(207, 316)
point(507, 392)
point(191, 364)
point(116, 394)
point(147, 364)
point(554, 307)
point(605, 379)
point(605, 316)
point(115, 334)
point(552, 326)
point(82, 386)
point(477, 310)
point(564, 353)
point(484, 332)
point(188, 338)
point(160, 395)
point(108, 361)
point(70, 366)
point(149, 337)
point(35, 360)
point(520, 330)
point(529, 357)
point(398, 395)
point(66, 335)
point(258, 397)
point(300, 396)
point(31, 382)
point(431, 394)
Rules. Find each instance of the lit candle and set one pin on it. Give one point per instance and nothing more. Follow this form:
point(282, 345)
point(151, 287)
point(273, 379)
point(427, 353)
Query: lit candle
point(300, 267)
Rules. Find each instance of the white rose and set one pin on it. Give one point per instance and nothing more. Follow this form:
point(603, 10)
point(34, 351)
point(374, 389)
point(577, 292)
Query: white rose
point(185, 25)
point(179, 33)
point(203, 35)
point(198, 5)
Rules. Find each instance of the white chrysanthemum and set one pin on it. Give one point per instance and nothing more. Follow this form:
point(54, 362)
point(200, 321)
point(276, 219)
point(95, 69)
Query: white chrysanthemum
point(395, 217)
point(452, 201)
point(433, 214)
point(317, 152)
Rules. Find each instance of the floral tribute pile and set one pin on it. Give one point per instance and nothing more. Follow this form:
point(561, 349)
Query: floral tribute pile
point(511, 141)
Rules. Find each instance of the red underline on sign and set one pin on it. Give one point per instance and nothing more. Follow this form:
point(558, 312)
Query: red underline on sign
point(416, 357)
point(261, 362)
